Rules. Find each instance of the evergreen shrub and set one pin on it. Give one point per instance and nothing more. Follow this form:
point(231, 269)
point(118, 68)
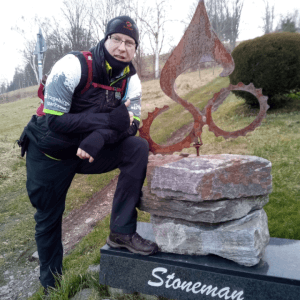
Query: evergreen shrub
point(270, 62)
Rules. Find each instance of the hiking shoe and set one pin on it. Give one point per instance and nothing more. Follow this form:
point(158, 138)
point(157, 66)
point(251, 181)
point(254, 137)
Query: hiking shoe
point(133, 242)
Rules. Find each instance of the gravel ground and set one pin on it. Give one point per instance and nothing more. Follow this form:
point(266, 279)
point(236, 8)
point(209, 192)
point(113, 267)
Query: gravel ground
point(21, 283)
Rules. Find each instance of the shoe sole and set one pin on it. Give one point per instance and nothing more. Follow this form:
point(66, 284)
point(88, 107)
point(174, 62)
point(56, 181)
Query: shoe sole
point(115, 245)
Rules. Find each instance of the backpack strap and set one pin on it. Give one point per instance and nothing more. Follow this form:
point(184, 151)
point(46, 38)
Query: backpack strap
point(41, 91)
point(86, 61)
point(86, 69)
point(110, 88)
point(89, 61)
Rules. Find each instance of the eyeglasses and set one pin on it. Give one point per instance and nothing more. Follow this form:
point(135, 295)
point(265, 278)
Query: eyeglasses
point(117, 41)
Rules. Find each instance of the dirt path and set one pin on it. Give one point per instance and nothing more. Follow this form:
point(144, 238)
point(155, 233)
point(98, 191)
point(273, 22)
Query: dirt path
point(78, 223)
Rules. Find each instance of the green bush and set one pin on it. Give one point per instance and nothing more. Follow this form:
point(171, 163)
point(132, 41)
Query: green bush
point(270, 62)
point(295, 96)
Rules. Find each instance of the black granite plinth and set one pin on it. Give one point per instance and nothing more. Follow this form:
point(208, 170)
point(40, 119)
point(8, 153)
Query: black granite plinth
point(174, 276)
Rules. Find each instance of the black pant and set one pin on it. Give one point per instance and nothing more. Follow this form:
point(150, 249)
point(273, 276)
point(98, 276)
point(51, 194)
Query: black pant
point(47, 184)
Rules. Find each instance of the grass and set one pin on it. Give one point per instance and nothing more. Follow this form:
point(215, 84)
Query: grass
point(277, 139)
point(283, 210)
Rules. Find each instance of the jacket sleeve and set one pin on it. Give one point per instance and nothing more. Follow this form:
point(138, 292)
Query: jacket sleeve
point(117, 120)
point(93, 143)
point(61, 84)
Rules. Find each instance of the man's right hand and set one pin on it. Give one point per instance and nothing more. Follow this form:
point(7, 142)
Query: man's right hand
point(84, 155)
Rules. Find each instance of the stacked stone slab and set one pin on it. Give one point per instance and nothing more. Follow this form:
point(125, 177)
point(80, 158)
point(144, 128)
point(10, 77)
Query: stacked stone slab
point(211, 204)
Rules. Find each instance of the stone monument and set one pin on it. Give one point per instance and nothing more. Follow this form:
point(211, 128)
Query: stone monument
point(211, 204)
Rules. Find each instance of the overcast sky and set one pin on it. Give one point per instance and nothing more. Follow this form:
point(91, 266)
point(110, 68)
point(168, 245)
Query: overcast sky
point(13, 11)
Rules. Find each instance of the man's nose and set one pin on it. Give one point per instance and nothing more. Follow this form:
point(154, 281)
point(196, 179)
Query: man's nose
point(122, 46)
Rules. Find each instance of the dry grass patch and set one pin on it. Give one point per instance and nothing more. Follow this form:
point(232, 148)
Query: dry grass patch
point(12, 165)
point(153, 96)
point(12, 96)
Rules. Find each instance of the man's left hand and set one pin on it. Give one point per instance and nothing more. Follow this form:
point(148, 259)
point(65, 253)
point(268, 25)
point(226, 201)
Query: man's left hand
point(84, 155)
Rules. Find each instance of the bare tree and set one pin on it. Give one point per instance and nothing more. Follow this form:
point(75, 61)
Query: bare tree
point(296, 19)
point(56, 41)
point(29, 41)
point(268, 18)
point(217, 14)
point(288, 25)
point(233, 20)
point(154, 24)
point(79, 20)
point(30, 58)
point(72, 30)
point(102, 11)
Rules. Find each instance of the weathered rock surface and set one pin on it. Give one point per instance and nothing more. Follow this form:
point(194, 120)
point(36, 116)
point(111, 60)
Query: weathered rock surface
point(206, 211)
point(213, 177)
point(83, 294)
point(242, 241)
point(94, 268)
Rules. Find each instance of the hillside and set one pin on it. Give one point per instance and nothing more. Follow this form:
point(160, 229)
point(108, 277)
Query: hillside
point(277, 139)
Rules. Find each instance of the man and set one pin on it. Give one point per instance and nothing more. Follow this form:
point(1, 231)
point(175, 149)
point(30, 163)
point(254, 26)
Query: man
point(100, 120)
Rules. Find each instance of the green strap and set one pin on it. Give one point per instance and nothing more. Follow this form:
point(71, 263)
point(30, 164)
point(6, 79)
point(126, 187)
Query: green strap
point(117, 80)
point(108, 68)
point(52, 157)
point(137, 118)
point(52, 112)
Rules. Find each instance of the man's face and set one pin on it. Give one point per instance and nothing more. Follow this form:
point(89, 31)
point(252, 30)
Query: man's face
point(122, 51)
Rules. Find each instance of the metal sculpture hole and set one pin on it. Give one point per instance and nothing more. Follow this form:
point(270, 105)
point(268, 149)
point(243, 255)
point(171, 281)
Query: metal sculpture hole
point(220, 97)
point(233, 114)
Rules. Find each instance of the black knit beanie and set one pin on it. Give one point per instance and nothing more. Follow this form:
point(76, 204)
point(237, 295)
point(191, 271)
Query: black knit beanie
point(124, 25)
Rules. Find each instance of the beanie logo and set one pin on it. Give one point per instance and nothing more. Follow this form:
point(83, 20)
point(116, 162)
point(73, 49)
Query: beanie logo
point(128, 25)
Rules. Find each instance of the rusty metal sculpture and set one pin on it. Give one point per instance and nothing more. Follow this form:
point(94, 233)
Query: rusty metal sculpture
point(199, 41)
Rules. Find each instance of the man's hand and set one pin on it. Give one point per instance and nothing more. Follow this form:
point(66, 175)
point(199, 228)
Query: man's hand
point(83, 155)
point(127, 103)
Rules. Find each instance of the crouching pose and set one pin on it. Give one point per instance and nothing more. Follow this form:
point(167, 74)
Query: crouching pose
point(95, 118)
